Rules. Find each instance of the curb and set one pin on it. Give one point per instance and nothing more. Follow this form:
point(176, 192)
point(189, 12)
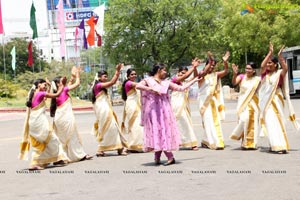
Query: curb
point(11, 110)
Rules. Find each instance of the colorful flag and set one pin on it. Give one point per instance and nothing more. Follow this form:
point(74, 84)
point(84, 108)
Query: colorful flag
point(99, 39)
point(79, 4)
point(13, 58)
point(82, 34)
point(68, 3)
point(33, 22)
point(61, 26)
point(91, 35)
point(30, 56)
point(1, 24)
point(100, 24)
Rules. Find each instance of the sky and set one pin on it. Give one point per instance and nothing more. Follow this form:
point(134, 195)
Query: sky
point(16, 16)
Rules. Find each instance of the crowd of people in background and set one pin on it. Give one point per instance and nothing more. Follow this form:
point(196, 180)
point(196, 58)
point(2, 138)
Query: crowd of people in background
point(156, 115)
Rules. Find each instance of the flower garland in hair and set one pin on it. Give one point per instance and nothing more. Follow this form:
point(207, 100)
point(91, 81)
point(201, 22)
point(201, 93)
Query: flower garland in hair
point(53, 86)
point(33, 87)
point(95, 79)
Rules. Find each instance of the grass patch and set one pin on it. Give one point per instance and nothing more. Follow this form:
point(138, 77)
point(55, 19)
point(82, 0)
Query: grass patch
point(20, 102)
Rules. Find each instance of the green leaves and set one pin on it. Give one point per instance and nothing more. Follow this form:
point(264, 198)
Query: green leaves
point(145, 32)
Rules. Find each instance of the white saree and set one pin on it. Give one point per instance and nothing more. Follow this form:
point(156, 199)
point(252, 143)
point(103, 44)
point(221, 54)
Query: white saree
point(66, 130)
point(131, 120)
point(271, 103)
point(211, 108)
point(248, 112)
point(38, 134)
point(106, 128)
point(181, 109)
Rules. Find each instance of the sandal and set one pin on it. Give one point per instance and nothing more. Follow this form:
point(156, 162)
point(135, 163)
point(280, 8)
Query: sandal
point(170, 162)
point(100, 154)
point(122, 152)
point(60, 163)
point(157, 161)
point(204, 146)
point(195, 148)
point(36, 167)
point(87, 157)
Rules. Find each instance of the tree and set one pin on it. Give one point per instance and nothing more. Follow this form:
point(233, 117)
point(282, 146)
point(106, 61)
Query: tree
point(143, 32)
point(248, 35)
point(21, 58)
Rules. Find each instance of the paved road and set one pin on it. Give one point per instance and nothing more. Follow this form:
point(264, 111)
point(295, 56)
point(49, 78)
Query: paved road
point(205, 174)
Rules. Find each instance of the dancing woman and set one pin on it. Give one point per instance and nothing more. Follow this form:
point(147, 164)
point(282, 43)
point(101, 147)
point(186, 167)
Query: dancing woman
point(248, 111)
point(211, 104)
point(274, 87)
point(160, 129)
point(132, 112)
point(106, 128)
point(38, 133)
point(181, 107)
point(64, 120)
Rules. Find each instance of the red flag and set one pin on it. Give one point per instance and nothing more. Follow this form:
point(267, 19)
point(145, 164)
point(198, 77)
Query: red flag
point(91, 36)
point(99, 40)
point(1, 24)
point(30, 57)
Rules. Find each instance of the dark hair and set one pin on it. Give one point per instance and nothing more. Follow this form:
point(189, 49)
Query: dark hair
point(208, 60)
point(181, 68)
point(275, 61)
point(53, 105)
point(157, 67)
point(253, 66)
point(128, 72)
point(31, 92)
point(100, 73)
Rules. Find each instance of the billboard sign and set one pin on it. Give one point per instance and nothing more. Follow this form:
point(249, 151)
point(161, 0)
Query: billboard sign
point(74, 11)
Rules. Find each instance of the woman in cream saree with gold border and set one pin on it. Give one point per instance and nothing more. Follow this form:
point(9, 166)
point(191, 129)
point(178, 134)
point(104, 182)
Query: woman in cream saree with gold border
point(271, 102)
point(132, 113)
point(248, 111)
point(211, 105)
point(38, 133)
point(106, 128)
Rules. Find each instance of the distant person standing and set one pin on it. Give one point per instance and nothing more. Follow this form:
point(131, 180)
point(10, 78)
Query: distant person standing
point(64, 120)
point(106, 128)
point(38, 134)
point(132, 112)
point(248, 110)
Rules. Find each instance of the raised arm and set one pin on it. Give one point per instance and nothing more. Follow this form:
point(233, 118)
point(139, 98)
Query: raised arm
point(59, 90)
point(225, 71)
point(282, 62)
point(195, 63)
point(48, 84)
point(235, 78)
point(265, 61)
point(76, 71)
point(177, 87)
point(114, 78)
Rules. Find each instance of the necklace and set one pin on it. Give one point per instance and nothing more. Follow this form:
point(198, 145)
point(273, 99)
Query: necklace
point(157, 80)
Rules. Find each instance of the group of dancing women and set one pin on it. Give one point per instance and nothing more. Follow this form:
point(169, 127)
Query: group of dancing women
point(156, 115)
